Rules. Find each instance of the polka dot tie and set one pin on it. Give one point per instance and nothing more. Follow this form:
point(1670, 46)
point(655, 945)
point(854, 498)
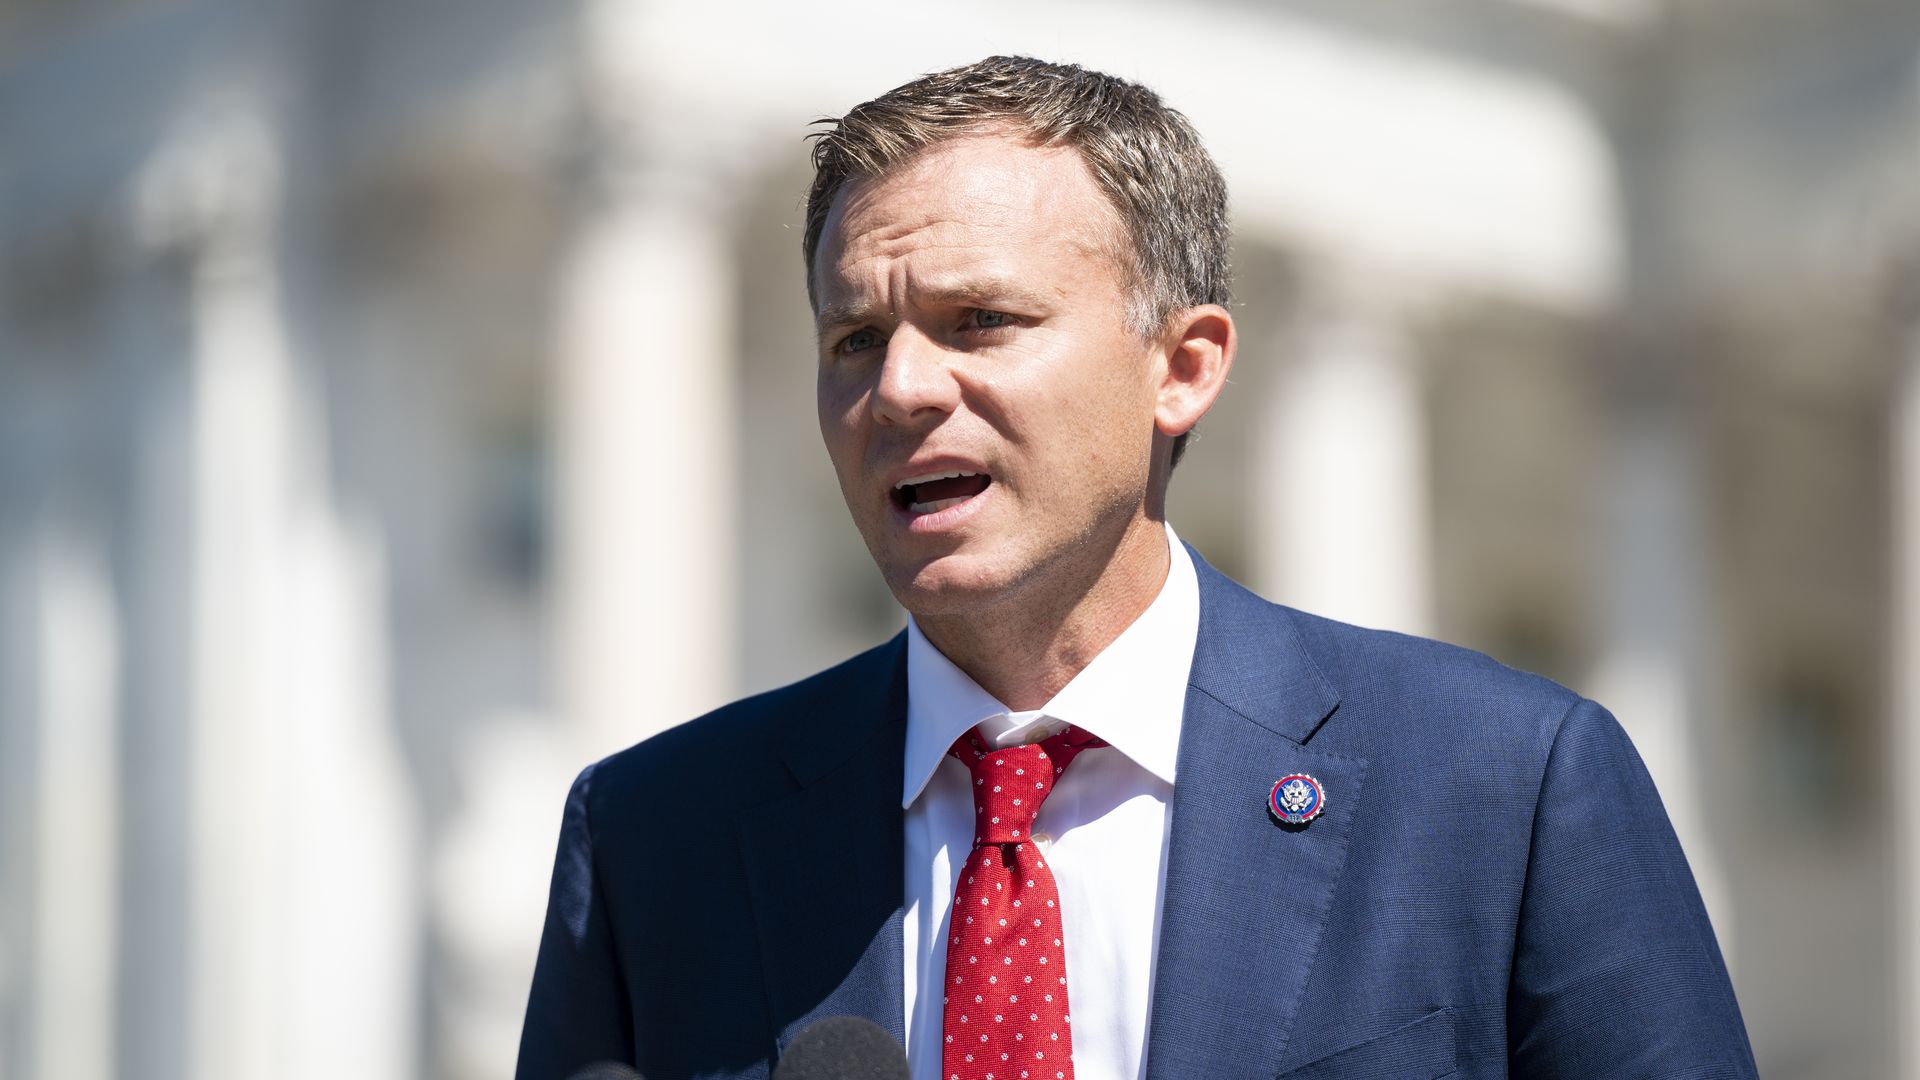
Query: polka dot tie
point(1006, 992)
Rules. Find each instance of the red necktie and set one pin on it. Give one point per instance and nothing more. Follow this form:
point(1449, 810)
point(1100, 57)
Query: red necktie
point(1006, 990)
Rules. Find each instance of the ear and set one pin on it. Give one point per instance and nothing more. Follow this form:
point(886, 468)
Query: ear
point(1198, 347)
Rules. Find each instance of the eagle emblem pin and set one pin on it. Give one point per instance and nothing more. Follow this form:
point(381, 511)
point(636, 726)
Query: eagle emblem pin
point(1297, 799)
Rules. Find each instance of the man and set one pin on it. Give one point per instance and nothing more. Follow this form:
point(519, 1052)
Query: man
point(1242, 841)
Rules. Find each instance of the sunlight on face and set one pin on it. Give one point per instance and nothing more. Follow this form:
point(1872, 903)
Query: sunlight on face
point(987, 410)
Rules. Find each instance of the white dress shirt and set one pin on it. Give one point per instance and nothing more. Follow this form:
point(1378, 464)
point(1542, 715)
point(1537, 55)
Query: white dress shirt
point(1104, 828)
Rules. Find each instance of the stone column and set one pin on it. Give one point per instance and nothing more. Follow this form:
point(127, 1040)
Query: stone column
point(60, 680)
point(300, 860)
point(1651, 668)
point(68, 688)
point(644, 420)
point(1339, 489)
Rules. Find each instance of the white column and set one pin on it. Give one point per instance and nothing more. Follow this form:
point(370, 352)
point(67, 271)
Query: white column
point(646, 471)
point(1651, 668)
point(59, 794)
point(1905, 728)
point(303, 918)
point(645, 420)
point(1339, 490)
point(489, 889)
point(75, 928)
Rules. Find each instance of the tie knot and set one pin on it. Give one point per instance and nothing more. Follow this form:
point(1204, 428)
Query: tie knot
point(1010, 784)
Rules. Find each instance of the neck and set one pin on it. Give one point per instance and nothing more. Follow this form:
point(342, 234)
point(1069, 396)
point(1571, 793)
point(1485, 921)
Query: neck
point(1024, 649)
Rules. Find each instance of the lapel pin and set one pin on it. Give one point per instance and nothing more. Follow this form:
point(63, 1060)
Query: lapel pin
point(1297, 799)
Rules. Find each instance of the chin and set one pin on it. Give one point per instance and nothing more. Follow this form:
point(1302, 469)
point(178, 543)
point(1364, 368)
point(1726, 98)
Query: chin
point(950, 585)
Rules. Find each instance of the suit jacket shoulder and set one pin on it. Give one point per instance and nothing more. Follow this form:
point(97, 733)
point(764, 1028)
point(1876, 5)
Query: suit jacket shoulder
point(1509, 897)
point(758, 743)
point(685, 931)
point(1410, 697)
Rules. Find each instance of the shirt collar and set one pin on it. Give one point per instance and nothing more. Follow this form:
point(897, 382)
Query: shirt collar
point(1132, 695)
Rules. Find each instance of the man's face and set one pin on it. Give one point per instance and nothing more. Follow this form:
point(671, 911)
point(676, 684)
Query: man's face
point(973, 321)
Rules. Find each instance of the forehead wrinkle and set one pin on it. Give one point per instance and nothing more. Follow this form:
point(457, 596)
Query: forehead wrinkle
point(942, 288)
point(970, 210)
point(987, 288)
point(850, 293)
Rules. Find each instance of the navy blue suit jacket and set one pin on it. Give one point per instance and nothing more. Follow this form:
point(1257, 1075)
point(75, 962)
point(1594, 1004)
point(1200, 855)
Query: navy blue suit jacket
point(1492, 890)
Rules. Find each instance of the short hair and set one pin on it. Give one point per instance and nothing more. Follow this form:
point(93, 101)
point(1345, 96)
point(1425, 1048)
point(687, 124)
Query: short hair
point(1169, 195)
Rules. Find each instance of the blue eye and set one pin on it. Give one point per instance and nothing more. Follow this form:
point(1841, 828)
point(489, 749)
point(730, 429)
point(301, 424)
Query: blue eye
point(987, 320)
point(859, 341)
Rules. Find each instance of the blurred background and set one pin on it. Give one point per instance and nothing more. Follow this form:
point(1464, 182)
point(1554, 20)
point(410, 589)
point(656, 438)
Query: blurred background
point(402, 405)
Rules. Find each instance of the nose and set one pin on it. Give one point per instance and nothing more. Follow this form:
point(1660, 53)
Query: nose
point(916, 384)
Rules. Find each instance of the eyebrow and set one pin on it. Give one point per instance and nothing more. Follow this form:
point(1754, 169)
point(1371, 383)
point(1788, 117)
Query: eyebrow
point(832, 316)
point(976, 292)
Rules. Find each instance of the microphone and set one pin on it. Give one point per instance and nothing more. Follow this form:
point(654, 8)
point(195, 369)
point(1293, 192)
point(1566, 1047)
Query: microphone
point(843, 1048)
point(606, 1070)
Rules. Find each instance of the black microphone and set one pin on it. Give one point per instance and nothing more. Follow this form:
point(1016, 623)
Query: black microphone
point(606, 1070)
point(843, 1048)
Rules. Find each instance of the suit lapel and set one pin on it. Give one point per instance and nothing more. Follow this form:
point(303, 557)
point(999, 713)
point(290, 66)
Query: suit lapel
point(823, 862)
point(1245, 898)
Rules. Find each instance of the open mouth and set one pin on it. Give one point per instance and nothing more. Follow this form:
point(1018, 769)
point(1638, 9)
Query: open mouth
point(935, 492)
